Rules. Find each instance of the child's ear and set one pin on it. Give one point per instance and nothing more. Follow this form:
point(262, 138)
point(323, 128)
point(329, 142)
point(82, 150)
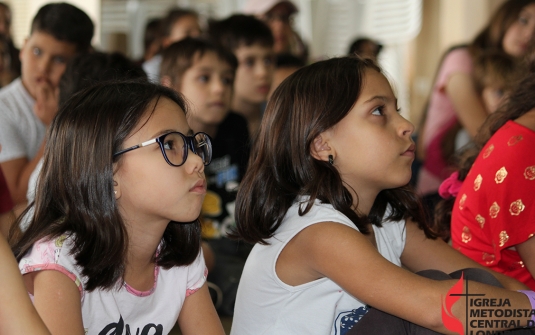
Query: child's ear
point(116, 189)
point(320, 148)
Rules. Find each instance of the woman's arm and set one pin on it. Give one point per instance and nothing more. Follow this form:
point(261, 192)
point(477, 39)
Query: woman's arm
point(198, 315)
point(348, 258)
point(467, 103)
point(57, 300)
point(17, 314)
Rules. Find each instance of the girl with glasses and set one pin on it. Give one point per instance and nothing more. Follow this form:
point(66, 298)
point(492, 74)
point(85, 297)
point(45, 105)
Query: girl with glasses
point(326, 202)
point(114, 244)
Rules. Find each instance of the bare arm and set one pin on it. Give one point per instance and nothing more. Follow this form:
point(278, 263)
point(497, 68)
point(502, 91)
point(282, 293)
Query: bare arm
point(18, 172)
point(6, 220)
point(348, 258)
point(16, 310)
point(440, 256)
point(526, 250)
point(57, 300)
point(468, 106)
point(198, 315)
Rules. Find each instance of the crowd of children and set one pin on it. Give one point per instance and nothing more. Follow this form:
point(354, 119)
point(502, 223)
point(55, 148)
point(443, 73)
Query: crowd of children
point(222, 175)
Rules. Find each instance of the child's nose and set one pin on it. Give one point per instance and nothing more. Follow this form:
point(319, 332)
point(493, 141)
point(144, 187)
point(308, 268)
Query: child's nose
point(406, 127)
point(218, 86)
point(194, 163)
point(262, 70)
point(44, 65)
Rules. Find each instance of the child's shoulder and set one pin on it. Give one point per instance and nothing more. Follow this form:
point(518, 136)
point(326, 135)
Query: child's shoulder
point(48, 250)
point(13, 90)
point(52, 254)
point(318, 212)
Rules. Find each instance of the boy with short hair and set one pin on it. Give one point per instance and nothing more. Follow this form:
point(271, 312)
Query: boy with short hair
point(58, 32)
point(252, 42)
point(204, 74)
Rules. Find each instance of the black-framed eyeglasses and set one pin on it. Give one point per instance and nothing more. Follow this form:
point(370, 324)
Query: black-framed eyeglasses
point(175, 147)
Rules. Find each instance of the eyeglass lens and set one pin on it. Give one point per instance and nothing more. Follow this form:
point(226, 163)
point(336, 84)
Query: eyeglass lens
point(176, 149)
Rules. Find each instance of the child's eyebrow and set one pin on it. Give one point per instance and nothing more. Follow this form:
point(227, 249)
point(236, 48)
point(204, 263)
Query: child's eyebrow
point(379, 97)
point(205, 68)
point(162, 132)
point(383, 98)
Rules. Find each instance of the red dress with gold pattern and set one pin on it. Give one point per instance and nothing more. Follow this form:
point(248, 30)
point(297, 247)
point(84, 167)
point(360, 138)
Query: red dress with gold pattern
point(495, 207)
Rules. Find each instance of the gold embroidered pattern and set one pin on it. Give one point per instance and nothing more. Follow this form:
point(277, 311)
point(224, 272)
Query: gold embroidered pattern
point(494, 210)
point(529, 173)
point(480, 220)
point(488, 258)
point(514, 140)
point(466, 236)
point(503, 238)
point(462, 201)
point(500, 175)
point(477, 182)
point(488, 151)
point(521, 264)
point(516, 207)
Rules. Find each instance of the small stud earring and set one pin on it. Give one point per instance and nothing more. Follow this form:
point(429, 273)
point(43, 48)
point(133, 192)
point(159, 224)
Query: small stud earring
point(331, 159)
point(115, 192)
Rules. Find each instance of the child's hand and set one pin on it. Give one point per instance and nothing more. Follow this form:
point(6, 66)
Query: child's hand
point(46, 105)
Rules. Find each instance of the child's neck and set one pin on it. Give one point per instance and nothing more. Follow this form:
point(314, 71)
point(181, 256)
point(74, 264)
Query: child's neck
point(363, 202)
point(252, 112)
point(142, 245)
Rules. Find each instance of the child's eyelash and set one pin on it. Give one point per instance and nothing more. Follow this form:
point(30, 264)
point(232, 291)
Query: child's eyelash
point(380, 109)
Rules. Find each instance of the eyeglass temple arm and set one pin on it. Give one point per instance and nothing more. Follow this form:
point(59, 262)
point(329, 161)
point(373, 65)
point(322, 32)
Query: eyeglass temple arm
point(134, 147)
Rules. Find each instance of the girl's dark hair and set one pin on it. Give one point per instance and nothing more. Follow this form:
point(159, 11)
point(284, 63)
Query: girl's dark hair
point(520, 101)
point(75, 195)
point(89, 68)
point(491, 36)
point(281, 167)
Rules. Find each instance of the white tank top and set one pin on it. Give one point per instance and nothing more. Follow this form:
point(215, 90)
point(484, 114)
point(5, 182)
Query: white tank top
point(266, 305)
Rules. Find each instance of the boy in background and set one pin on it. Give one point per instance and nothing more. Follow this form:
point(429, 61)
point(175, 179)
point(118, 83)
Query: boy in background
point(252, 42)
point(177, 24)
point(82, 71)
point(204, 74)
point(58, 32)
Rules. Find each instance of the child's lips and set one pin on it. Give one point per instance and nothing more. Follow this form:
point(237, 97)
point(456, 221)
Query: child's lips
point(219, 104)
point(410, 151)
point(199, 187)
point(263, 89)
point(41, 80)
